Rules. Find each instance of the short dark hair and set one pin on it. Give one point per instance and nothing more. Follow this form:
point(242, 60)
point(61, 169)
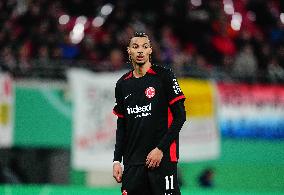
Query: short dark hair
point(140, 34)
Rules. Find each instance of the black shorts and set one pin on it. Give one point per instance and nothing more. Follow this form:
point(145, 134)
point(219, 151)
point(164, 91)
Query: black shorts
point(140, 180)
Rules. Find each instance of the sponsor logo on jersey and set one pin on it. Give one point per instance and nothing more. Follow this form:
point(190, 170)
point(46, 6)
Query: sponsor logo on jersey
point(150, 92)
point(137, 109)
point(140, 111)
point(127, 96)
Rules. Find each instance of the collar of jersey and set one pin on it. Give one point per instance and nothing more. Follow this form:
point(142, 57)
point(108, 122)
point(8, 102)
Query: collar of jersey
point(130, 74)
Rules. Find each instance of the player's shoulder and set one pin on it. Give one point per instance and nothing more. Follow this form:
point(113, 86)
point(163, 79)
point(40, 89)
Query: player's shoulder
point(159, 69)
point(163, 71)
point(124, 77)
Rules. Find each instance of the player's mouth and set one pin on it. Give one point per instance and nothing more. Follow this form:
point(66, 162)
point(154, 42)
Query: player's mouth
point(139, 58)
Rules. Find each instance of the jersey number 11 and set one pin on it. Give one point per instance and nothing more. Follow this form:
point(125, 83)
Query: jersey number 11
point(169, 182)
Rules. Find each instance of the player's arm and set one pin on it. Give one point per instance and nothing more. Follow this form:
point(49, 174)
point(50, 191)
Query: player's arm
point(179, 117)
point(118, 151)
point(155, 156)
point(176, 103)
point(120, 135)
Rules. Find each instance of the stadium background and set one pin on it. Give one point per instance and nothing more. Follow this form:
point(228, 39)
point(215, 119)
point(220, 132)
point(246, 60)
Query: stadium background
point(225, 42)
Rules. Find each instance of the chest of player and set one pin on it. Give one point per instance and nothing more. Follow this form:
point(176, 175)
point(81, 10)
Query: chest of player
point(143, 97)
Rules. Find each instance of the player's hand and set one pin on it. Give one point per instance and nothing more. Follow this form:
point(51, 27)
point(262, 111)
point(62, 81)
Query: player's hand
point(154, 158)
point(117, 172)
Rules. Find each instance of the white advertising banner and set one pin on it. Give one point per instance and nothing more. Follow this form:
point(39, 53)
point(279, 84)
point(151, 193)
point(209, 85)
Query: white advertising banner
point(94, 124)
point(6, 110)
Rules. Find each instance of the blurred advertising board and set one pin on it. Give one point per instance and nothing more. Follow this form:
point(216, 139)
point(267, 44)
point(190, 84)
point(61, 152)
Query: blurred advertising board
point(252, 111)
point(94, 125)
point(199, 137)
point(42, 114)
point(6, 110)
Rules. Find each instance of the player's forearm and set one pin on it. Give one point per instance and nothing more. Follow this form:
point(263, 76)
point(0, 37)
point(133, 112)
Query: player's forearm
point(179, 118)
point(120, 134)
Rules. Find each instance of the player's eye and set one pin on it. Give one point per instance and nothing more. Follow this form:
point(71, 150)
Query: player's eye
point(135, 46)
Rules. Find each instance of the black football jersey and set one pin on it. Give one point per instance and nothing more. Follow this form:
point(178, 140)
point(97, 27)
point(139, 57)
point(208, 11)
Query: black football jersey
point(144, 104)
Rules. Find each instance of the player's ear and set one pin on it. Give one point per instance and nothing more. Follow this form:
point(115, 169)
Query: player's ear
point(128, 50)
point(151, 50)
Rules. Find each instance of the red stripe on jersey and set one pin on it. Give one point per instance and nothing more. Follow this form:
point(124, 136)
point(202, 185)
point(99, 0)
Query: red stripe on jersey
point(128, 76)
point(173, 147)
point(151, 71)
point(170, 117)
point(173, 151)
point(119, 115)
point(176, 99)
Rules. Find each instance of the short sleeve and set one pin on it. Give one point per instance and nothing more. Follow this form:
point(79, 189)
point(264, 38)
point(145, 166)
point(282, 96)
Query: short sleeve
point(118, 108)
point(173, 89)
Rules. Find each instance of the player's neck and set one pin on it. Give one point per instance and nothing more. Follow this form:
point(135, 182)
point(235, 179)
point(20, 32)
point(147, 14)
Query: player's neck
point(140, 71)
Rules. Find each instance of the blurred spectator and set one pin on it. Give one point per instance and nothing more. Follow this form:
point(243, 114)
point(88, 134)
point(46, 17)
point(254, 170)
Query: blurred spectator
point(42, 62)
point(275, 71)
point(43, 54)
point(24, 56)
point(180, 178)
point(56, 53)
point(263, 53)
point(114, 62)
point(68, 49)
point(206, 178)
point(181, 59)
point(117, 59)
point(8, 62)
point(224, 44)
point(227, 64)
point(280, 55)
point(277, 34)
point(245, 66)
point(8, 175)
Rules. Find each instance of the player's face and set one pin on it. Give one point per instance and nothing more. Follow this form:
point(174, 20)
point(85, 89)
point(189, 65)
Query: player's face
point(139, 50)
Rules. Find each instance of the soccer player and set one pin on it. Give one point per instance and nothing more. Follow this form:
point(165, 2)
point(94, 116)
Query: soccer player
point(150, 110)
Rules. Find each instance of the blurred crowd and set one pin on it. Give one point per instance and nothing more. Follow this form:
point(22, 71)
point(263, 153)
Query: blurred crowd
point(224, 39)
